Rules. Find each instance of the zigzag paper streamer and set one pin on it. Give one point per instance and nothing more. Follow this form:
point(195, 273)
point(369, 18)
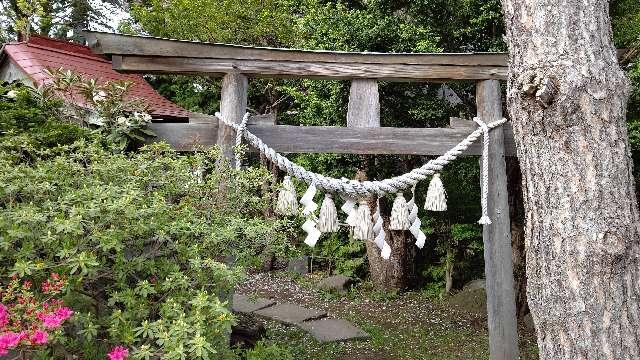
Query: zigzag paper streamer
point(307, 200)
point(349, 208)
point(415, 222)
point(313, 234)
point(380, 235)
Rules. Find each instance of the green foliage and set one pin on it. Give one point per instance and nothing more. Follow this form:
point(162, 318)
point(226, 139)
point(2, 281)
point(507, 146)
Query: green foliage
point(263, 351)
point(140, 237)
point(256, 22)
point(625, 19)
point(346, 257)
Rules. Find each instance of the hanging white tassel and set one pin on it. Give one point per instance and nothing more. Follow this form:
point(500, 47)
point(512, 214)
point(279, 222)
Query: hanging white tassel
point(379, 234)
point(313, 234)
point(415, 229)
point(436, 195)
point(363, 228)
point(328, 219)
point(307, 200)
point(287, 199)
point(399, 214)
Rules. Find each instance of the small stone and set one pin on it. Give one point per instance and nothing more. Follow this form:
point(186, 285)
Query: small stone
point(299, 266)
point(329, 330)
point(290, 313)
point(245, 304)
point(475, 285)
point(247, 331)
point(339, 283)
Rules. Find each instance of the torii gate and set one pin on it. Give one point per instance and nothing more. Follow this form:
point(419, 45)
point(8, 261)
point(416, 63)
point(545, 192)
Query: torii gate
point(363, 134)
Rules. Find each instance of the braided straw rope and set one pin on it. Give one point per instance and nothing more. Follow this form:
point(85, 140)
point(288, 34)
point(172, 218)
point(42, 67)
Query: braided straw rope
point(361, 189)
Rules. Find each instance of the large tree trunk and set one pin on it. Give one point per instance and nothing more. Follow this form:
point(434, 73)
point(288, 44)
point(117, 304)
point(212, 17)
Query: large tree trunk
point(567, 100)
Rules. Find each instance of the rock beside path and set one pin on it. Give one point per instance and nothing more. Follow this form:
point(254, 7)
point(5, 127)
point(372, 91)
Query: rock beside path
point(339, 283)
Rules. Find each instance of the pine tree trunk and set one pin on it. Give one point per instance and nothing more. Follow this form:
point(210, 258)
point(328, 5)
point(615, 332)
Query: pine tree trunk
point(567, 101)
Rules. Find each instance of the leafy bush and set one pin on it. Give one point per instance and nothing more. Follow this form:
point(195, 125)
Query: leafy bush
point(141, 238)
point(26, 109)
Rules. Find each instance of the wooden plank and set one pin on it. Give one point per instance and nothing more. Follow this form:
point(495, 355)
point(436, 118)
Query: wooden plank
point(233, 106)
point(305, 69)
point(107, 43)
point(328, 139)
point(186, 137)
point(262, 119)
point(501, 307)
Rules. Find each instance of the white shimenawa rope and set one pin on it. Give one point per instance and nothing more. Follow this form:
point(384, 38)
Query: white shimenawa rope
point(240, 130)
point(484, 220)
point(361, 189)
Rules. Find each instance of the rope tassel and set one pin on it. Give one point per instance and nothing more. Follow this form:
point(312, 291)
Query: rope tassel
point(363, 229)
point(399, 214)
point(328, 219)
point(436, 195)
point(287, 199)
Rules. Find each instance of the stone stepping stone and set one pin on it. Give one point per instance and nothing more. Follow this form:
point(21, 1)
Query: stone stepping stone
point(290, 313)
point(330, 330)
point(245, 304)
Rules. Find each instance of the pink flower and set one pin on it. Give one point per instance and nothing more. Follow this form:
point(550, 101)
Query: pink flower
point(50, 321)
point(4, 316)
point(55, 319)
point(10, 339)
point(118, 353)
point(39, 337)
point(64, 313)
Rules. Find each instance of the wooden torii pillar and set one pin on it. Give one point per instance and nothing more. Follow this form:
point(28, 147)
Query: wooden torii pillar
point(498, 265)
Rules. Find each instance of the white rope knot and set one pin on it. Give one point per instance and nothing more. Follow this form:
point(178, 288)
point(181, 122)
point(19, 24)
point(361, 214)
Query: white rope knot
point(240, 130)
point(484, 220)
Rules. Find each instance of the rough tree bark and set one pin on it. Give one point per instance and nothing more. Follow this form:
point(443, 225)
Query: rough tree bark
point(567, 100)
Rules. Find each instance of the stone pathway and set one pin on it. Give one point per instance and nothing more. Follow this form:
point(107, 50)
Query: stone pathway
point(315, 322)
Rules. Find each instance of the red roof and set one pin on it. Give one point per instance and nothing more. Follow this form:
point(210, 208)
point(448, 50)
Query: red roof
point(40, 53)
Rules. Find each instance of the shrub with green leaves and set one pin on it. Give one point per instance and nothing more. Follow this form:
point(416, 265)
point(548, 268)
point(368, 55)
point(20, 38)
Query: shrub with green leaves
point(143, 239)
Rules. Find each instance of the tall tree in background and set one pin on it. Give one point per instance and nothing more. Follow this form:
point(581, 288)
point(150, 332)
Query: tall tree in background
point(63, 19)
point(567, 99)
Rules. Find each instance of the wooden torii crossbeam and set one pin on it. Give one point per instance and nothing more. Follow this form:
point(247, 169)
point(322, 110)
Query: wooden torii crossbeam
point(363, 134)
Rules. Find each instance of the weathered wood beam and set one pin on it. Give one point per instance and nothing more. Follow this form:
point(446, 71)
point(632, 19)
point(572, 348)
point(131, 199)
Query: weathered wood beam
point(305, 69)
point(328, 139)
point(113, 44)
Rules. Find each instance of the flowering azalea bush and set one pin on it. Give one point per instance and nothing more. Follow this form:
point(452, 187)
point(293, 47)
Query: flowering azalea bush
point(29, 317)
point(141, 240)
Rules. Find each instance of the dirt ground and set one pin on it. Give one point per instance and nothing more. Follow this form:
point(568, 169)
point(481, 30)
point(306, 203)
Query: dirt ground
point(405, 326)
